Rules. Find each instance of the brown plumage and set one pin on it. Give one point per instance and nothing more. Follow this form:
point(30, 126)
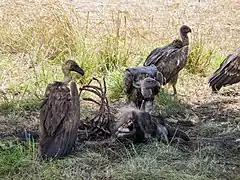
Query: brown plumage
point(139, 126)
point(170, 59)
point(59, 115)
point(142, 83)
point(228, 73)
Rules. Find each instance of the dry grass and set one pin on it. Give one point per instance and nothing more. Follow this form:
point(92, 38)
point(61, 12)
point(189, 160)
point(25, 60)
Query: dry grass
point(105, 37)
point(101, 35)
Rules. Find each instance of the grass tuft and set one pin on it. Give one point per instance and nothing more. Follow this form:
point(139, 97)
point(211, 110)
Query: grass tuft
point(169, 105)
point(200, 58)
point(159, 161)
point(114, 84)
point(17, 159)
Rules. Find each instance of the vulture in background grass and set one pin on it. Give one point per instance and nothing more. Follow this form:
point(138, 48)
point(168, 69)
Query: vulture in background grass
point(170, 59)
point(228, 73)
point(59, 115)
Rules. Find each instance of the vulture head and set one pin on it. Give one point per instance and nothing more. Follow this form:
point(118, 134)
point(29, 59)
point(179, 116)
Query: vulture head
point(71, 65)
point(147, 85)
point(185, 29)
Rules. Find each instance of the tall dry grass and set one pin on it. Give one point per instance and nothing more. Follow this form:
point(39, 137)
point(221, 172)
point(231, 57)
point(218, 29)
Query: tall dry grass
point(35, 36)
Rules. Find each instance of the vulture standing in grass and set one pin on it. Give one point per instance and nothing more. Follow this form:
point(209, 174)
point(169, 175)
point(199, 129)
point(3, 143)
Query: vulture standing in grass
point(59, 115)
point(170, 59)
point(141, 84)
point(228, 73)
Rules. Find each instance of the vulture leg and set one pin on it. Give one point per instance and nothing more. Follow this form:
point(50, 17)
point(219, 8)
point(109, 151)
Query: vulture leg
point(174, 89)
point(215, 89)
point(173, 82)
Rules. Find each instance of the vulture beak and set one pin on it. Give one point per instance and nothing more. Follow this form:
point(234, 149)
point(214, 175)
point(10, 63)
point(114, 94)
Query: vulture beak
point(78, 70)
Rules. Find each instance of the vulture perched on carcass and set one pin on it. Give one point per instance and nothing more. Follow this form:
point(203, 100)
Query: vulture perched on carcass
point(140, 126)
point(60, 115)
point(228, 73)
point(141, 84)
point(170, 59)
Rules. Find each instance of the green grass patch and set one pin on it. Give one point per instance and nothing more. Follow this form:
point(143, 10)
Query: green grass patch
point(154, 160)
point(23, 104)
point(159, 161)
point(217, 60)
point(114, 82)
point(169, 105)
point(17, 159)
point(21, 162)
point(199, 58)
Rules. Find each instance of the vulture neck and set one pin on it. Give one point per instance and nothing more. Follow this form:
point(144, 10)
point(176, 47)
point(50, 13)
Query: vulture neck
point(67, 76)
point(185, 39)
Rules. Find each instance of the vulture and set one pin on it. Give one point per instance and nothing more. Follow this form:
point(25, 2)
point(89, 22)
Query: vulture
point(140, 126)
point(228, 73)
point(141, 84)
point(59, 115)
point(172, 58)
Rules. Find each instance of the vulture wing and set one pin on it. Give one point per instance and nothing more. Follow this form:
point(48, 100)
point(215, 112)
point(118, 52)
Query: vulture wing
point(228, 73)
point(127, 82)
point(59, 115)
point(160, 53)
point(169, 61)
point(55, 107)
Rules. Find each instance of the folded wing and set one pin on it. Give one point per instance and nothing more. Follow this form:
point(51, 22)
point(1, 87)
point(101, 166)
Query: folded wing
point(228, 73)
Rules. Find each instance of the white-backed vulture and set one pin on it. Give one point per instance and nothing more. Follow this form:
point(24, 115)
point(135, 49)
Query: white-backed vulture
point(170, 59)
point(228, 73)
point(141, 84)
point(60, 115)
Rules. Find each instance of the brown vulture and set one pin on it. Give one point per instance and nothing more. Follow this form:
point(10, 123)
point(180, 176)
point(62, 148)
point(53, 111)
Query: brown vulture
point(139, 126)
point(141, 84)
point(170, 59)
point(60, 114)
point(228, 73)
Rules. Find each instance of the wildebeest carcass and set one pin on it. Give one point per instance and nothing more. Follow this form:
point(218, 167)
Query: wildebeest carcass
point(96, 125)
point(228, 73)
point(171, 59)
point(141, 84)
point(140, 126)
point(60, 115)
